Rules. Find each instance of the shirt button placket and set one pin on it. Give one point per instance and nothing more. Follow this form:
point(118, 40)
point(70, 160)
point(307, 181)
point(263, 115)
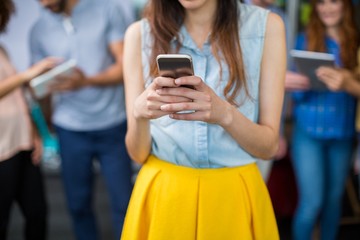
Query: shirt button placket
point(202, 136)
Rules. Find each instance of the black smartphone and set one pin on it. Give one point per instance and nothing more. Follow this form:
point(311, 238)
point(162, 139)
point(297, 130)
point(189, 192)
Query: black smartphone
point(175, 65)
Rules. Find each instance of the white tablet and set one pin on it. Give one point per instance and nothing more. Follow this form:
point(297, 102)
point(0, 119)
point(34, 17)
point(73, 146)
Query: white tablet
point(40, 84)
point(306, 62)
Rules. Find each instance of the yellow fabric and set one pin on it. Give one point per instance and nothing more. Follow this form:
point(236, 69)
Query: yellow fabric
point(172, 202)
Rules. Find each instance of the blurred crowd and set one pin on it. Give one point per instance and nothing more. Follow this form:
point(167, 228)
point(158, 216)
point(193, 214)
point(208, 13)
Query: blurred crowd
point(83, 118)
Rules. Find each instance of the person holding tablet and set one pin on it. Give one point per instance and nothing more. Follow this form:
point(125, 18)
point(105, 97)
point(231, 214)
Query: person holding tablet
point(199, 178)
point(20, 152)
point(20, 147)
point(323, 131)
point(88, 105)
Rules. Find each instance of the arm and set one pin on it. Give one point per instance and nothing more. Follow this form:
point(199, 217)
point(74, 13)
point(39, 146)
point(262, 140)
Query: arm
point(118, 20)
point(259, 139)
point(296, 82)
point(113, 74)
point(340, 79)
point(110, 76)
point(142, 104)
point(12, 82)
point(138, 129)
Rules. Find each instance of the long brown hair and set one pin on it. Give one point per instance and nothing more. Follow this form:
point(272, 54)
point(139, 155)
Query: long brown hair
point(6, 9)
point(167, 16)
point(349, 39)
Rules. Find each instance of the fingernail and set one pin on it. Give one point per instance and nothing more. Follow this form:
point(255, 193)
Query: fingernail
point(177, 81)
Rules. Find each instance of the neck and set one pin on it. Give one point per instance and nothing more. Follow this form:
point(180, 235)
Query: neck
point(70, 4)
point(333, 32)
point(199, 22)
point(262, 4)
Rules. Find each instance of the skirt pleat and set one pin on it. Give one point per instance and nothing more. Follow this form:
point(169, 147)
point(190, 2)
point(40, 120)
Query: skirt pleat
point(180, 203)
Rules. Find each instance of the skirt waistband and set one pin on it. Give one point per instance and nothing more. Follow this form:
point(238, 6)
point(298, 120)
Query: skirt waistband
point(170, 167)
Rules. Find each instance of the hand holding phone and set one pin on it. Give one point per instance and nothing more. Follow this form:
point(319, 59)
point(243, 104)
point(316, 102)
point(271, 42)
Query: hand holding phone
point(175, 65)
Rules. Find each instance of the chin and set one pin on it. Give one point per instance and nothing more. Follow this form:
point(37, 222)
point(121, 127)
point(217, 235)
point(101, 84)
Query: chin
point(331, 23)
point(54, 10)
point(191, 4)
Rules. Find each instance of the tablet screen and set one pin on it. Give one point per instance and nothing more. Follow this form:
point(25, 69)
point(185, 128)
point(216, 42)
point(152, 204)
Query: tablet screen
point(40, 84)
point(306, 62)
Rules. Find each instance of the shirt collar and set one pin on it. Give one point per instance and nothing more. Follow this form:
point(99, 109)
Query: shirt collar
point(186, 41)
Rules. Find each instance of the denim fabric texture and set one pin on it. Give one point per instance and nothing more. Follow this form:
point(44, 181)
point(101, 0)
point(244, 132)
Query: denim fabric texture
point(78, 151)
point(325, 115)
point(187, 143)
point(321, 167)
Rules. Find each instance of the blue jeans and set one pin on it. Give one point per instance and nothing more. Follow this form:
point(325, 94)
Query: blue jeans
point(321, 168)
point(78, 150)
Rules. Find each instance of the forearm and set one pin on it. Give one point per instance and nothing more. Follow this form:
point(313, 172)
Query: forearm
point(138, 140)
point(260, 141)
point(353, 86)
point(11, 83)
point(111, 76)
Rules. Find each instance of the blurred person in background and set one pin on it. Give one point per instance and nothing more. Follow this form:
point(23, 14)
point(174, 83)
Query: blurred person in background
point(20, 148)
point(199, 179)
point(88, 106)
point(20, 151)
point(323, 135)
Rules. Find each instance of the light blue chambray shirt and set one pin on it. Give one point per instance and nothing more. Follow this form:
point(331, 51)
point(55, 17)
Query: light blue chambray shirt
point(94, 24)
point(198, 144)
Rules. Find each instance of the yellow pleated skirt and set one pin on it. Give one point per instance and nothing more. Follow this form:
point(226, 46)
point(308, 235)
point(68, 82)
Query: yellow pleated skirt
point(171, 202)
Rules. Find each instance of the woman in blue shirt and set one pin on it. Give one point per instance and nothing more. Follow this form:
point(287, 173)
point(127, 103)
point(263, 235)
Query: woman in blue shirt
point(199, 179)
point(324, 120)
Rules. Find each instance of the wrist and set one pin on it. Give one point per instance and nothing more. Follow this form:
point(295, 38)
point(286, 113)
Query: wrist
point(86, 82)
point(92, 80)
point(350, 83)
point(228, 116)
point(23, 78)
point(138, 116)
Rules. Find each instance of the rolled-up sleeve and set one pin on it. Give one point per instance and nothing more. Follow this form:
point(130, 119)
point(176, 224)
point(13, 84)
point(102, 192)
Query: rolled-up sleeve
point(117, 22)
point(36, 54)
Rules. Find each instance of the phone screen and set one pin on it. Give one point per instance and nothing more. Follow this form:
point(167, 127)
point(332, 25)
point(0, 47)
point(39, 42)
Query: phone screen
point(175, 65)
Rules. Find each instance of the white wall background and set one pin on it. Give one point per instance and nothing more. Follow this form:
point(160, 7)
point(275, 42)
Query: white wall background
point(15, 39)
